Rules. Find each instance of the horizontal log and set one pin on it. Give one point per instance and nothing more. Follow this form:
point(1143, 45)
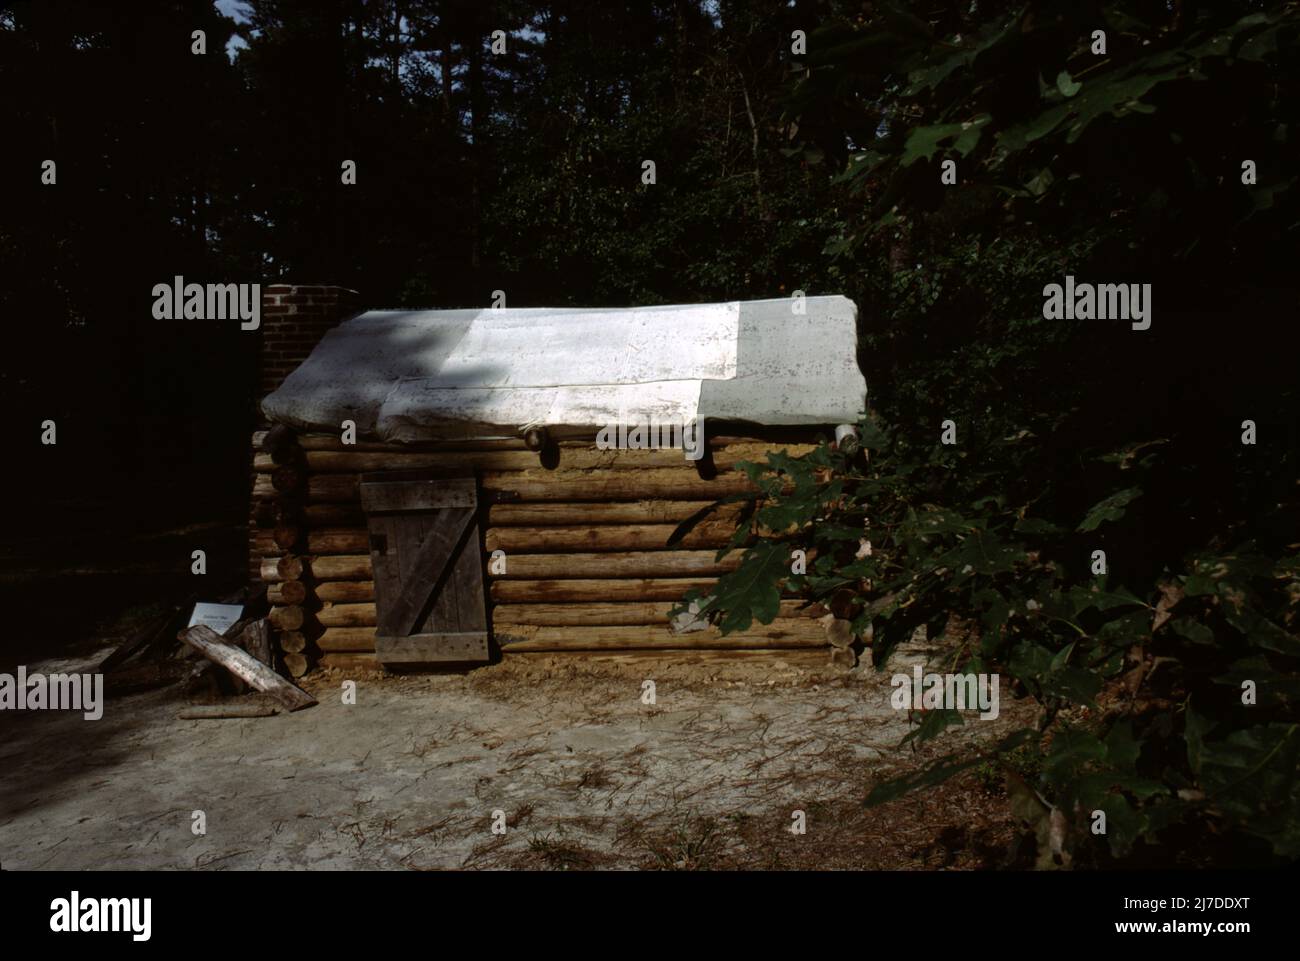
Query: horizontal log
point(781, 633)
point(618, 565)
point(616, 512)
point(613, 614)
point(346, 615)
point(287, 592)
point(274, 570)
point(613, 537)
point(345, 591)
point(317, 441)
point(349, 662)
point(337, 516)
point(571, 458)
point(630, 589)
point(666, 483)
point(774, 438)
point(293, 642)
point(334, 567)
point(340, 567)
point(347, 639)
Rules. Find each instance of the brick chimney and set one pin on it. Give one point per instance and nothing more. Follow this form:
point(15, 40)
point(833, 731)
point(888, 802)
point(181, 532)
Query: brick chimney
point(294, 319)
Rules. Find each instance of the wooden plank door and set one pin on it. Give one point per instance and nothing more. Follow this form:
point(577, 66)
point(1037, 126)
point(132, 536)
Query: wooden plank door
point(428, 569)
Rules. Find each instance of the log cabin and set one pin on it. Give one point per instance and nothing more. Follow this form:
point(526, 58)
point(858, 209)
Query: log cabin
point(438, 487)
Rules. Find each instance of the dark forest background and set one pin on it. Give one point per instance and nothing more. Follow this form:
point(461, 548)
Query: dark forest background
point(522, 172)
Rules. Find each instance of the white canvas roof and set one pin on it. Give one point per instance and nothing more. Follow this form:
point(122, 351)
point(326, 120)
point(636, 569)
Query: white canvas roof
point(414, 375)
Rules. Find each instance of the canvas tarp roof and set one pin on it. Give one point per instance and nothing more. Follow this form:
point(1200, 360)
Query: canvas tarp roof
point(413, 375)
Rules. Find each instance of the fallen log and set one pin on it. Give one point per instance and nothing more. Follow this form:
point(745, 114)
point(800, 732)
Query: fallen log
point(246, 667)
point(243, 708)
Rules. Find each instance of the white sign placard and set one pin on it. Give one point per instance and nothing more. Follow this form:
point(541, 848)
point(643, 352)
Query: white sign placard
point(219, 617)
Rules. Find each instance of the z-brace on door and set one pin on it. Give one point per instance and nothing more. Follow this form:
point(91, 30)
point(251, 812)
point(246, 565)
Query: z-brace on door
point(424, 551)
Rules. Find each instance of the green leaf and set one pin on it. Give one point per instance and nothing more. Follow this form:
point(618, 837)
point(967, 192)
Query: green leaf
point(1066, 84)
point(1111, 508)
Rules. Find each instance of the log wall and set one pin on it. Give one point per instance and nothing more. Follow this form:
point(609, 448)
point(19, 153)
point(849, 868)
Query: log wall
point(586, 566)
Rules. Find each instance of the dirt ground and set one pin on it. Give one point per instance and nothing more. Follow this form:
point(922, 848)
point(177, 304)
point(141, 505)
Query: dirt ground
point(585, 774)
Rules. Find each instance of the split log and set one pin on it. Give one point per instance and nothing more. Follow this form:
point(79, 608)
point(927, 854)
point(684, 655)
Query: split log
point(621, 537)
point(288, 618)
point(293, 642)
point(593, 615)
point(256, 640)
point(296, 664)
point(781, 633)
point(633, 564)
point(246, 667)
point(288, 592)
point(641, 589)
